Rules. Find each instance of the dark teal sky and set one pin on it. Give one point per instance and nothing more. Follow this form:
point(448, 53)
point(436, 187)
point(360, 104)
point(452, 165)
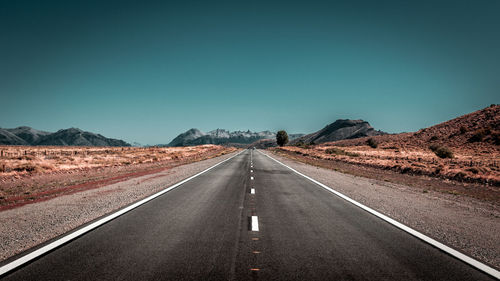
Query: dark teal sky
point(146, 71)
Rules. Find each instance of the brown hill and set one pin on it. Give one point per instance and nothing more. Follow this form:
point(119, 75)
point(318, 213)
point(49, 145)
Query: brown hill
point(473, 131)
point(464, 149)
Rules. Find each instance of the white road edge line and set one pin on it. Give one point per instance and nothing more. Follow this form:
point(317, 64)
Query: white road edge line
point(252, 191)
point(47, 248)
point(255, 223)
point(475, 263)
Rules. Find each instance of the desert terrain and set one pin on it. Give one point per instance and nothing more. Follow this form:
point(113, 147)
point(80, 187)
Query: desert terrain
point(33, 173)
point(463, 152)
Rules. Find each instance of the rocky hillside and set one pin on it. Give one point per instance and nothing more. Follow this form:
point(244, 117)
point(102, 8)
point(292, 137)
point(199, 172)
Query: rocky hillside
point(27, 134)
point(9, 138)
point(339, 130)
point(479, 130)
point(67, 137)
point(219, 136)
point(186, 138)
point(464, 149)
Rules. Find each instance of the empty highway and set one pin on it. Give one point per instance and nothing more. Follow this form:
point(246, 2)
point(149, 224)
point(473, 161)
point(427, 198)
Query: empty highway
point(249, 218)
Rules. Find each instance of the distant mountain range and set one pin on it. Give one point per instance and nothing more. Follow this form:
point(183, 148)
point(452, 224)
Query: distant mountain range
point(222, 137)
point(66, 137)
point(341, 129)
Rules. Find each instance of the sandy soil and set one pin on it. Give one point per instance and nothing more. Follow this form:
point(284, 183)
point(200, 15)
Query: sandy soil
point(467, 224)
point(24, 227)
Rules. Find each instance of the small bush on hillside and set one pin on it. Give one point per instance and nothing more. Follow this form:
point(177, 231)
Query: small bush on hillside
point(463, 130)
point(334, 151)
point(26, 167)
point(302, 144)
point(479, 135)
point(443, 152)
point(496, 139)
point(433, 138)
point(473, 170)
point(433, 147)
point(372, 143)
point(337, 151)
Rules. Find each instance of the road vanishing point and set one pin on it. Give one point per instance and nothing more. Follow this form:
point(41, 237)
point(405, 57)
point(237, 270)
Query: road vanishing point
point(247, 218)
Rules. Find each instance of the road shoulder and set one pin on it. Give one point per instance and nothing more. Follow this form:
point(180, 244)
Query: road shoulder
point(30, 225)
point(466, 224)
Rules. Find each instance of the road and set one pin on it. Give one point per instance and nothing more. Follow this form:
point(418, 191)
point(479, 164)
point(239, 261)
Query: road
point(206, 229)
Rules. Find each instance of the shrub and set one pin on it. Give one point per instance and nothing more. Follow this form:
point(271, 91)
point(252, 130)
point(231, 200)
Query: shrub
point(438, 170)
point(463, 130)
point(433, 138)
point(302, 144)
point(496, 139)
point(479, 135)
point(473, 170)
point(443, 152)
point(372, 143)
point(334, 151)
point(337, 151)
point(433, 147)
point(26, 167)
point(282, 138)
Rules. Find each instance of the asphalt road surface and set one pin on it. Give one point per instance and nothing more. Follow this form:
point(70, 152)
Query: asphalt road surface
point(206, 229)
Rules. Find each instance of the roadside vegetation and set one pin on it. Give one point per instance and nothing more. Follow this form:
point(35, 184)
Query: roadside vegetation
point(465, 149)
point(31, 172)
point(281, 138)
point(15, 160)
point(435, 161)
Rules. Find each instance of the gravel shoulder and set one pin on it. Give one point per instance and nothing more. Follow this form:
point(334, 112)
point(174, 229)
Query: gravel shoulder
point(30, 225)
point(466, 224)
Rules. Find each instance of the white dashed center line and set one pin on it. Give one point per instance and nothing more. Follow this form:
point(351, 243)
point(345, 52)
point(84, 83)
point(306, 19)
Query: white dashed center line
point(255, 223)
point(251, 178)
point(251, 171)
point(252, 191)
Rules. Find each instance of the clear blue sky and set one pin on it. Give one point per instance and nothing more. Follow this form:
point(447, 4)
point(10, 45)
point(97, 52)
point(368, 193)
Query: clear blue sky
point(146, 71)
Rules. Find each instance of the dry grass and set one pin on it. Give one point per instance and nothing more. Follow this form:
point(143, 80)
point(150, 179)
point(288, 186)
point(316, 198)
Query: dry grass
point(20, 160)
point(466, 165)
point(465, 149)
point(29, 174)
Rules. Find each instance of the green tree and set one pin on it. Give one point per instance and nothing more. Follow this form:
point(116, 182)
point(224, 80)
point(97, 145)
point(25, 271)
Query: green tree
point(282, 138)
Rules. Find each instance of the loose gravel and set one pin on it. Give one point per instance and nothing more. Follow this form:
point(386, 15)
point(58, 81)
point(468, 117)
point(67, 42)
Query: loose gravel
point(463, 223)
point(25, 227)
